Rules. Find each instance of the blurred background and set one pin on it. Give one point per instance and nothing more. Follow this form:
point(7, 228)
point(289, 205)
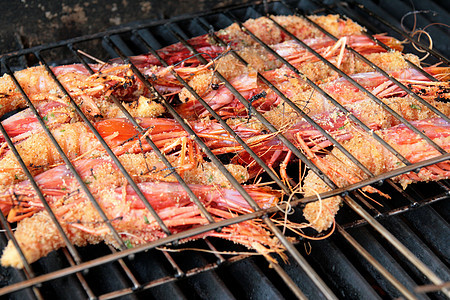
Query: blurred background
point(27, 23)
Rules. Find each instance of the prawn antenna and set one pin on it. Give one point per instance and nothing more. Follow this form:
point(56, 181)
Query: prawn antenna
point(91, 57)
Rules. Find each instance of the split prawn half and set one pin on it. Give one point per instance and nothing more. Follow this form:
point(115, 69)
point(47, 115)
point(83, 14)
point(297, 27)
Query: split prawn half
point(344, 92)
point(91, 92)
point(54, 113)
point(77, 141)
point(127, 213)
point(24, 123)
point(259, 96)
point(336, 123)
point(262, 27)
point(377, 159)
point(19, 201)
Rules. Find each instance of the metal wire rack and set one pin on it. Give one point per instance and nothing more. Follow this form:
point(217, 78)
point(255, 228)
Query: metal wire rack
point(146, 37)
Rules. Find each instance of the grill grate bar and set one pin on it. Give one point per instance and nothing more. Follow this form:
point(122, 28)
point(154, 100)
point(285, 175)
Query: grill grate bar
point(288, 280)
point(396, 243)
point(79, 275)
point(401, 32)
point(178, 272)
point(127, 270)
point(399, 210)
point(375, 245)
point(386, 274)
point(220, 258)
point(312, 274)
point(344, 273)
point(411, 238)
point(427, 230)
point(428, 288)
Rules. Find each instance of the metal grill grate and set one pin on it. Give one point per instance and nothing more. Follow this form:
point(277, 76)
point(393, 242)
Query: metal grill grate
point(374, 253)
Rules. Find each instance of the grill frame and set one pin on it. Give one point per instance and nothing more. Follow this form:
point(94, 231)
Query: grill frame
point(77, 266)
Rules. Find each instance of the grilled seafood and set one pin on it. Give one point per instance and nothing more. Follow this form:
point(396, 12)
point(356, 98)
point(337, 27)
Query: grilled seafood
point(262, 98)
point(77, 141)
point(345, 93)
point(20, 200)
point(337, 124)
point(128, 215)
point(262, 27)
point(378, 160)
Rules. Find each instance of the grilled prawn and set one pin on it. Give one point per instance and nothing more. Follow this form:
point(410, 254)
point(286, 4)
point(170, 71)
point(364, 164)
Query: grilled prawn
point(262, 98)
point(128, 214)
point(346, 93)
point(19, 201)
point(262, 27)
point(90, 92)
point(378, 160)
point(77, 141)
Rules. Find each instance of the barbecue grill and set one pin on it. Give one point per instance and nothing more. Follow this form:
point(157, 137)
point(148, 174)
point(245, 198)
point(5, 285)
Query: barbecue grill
point(397, 250)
